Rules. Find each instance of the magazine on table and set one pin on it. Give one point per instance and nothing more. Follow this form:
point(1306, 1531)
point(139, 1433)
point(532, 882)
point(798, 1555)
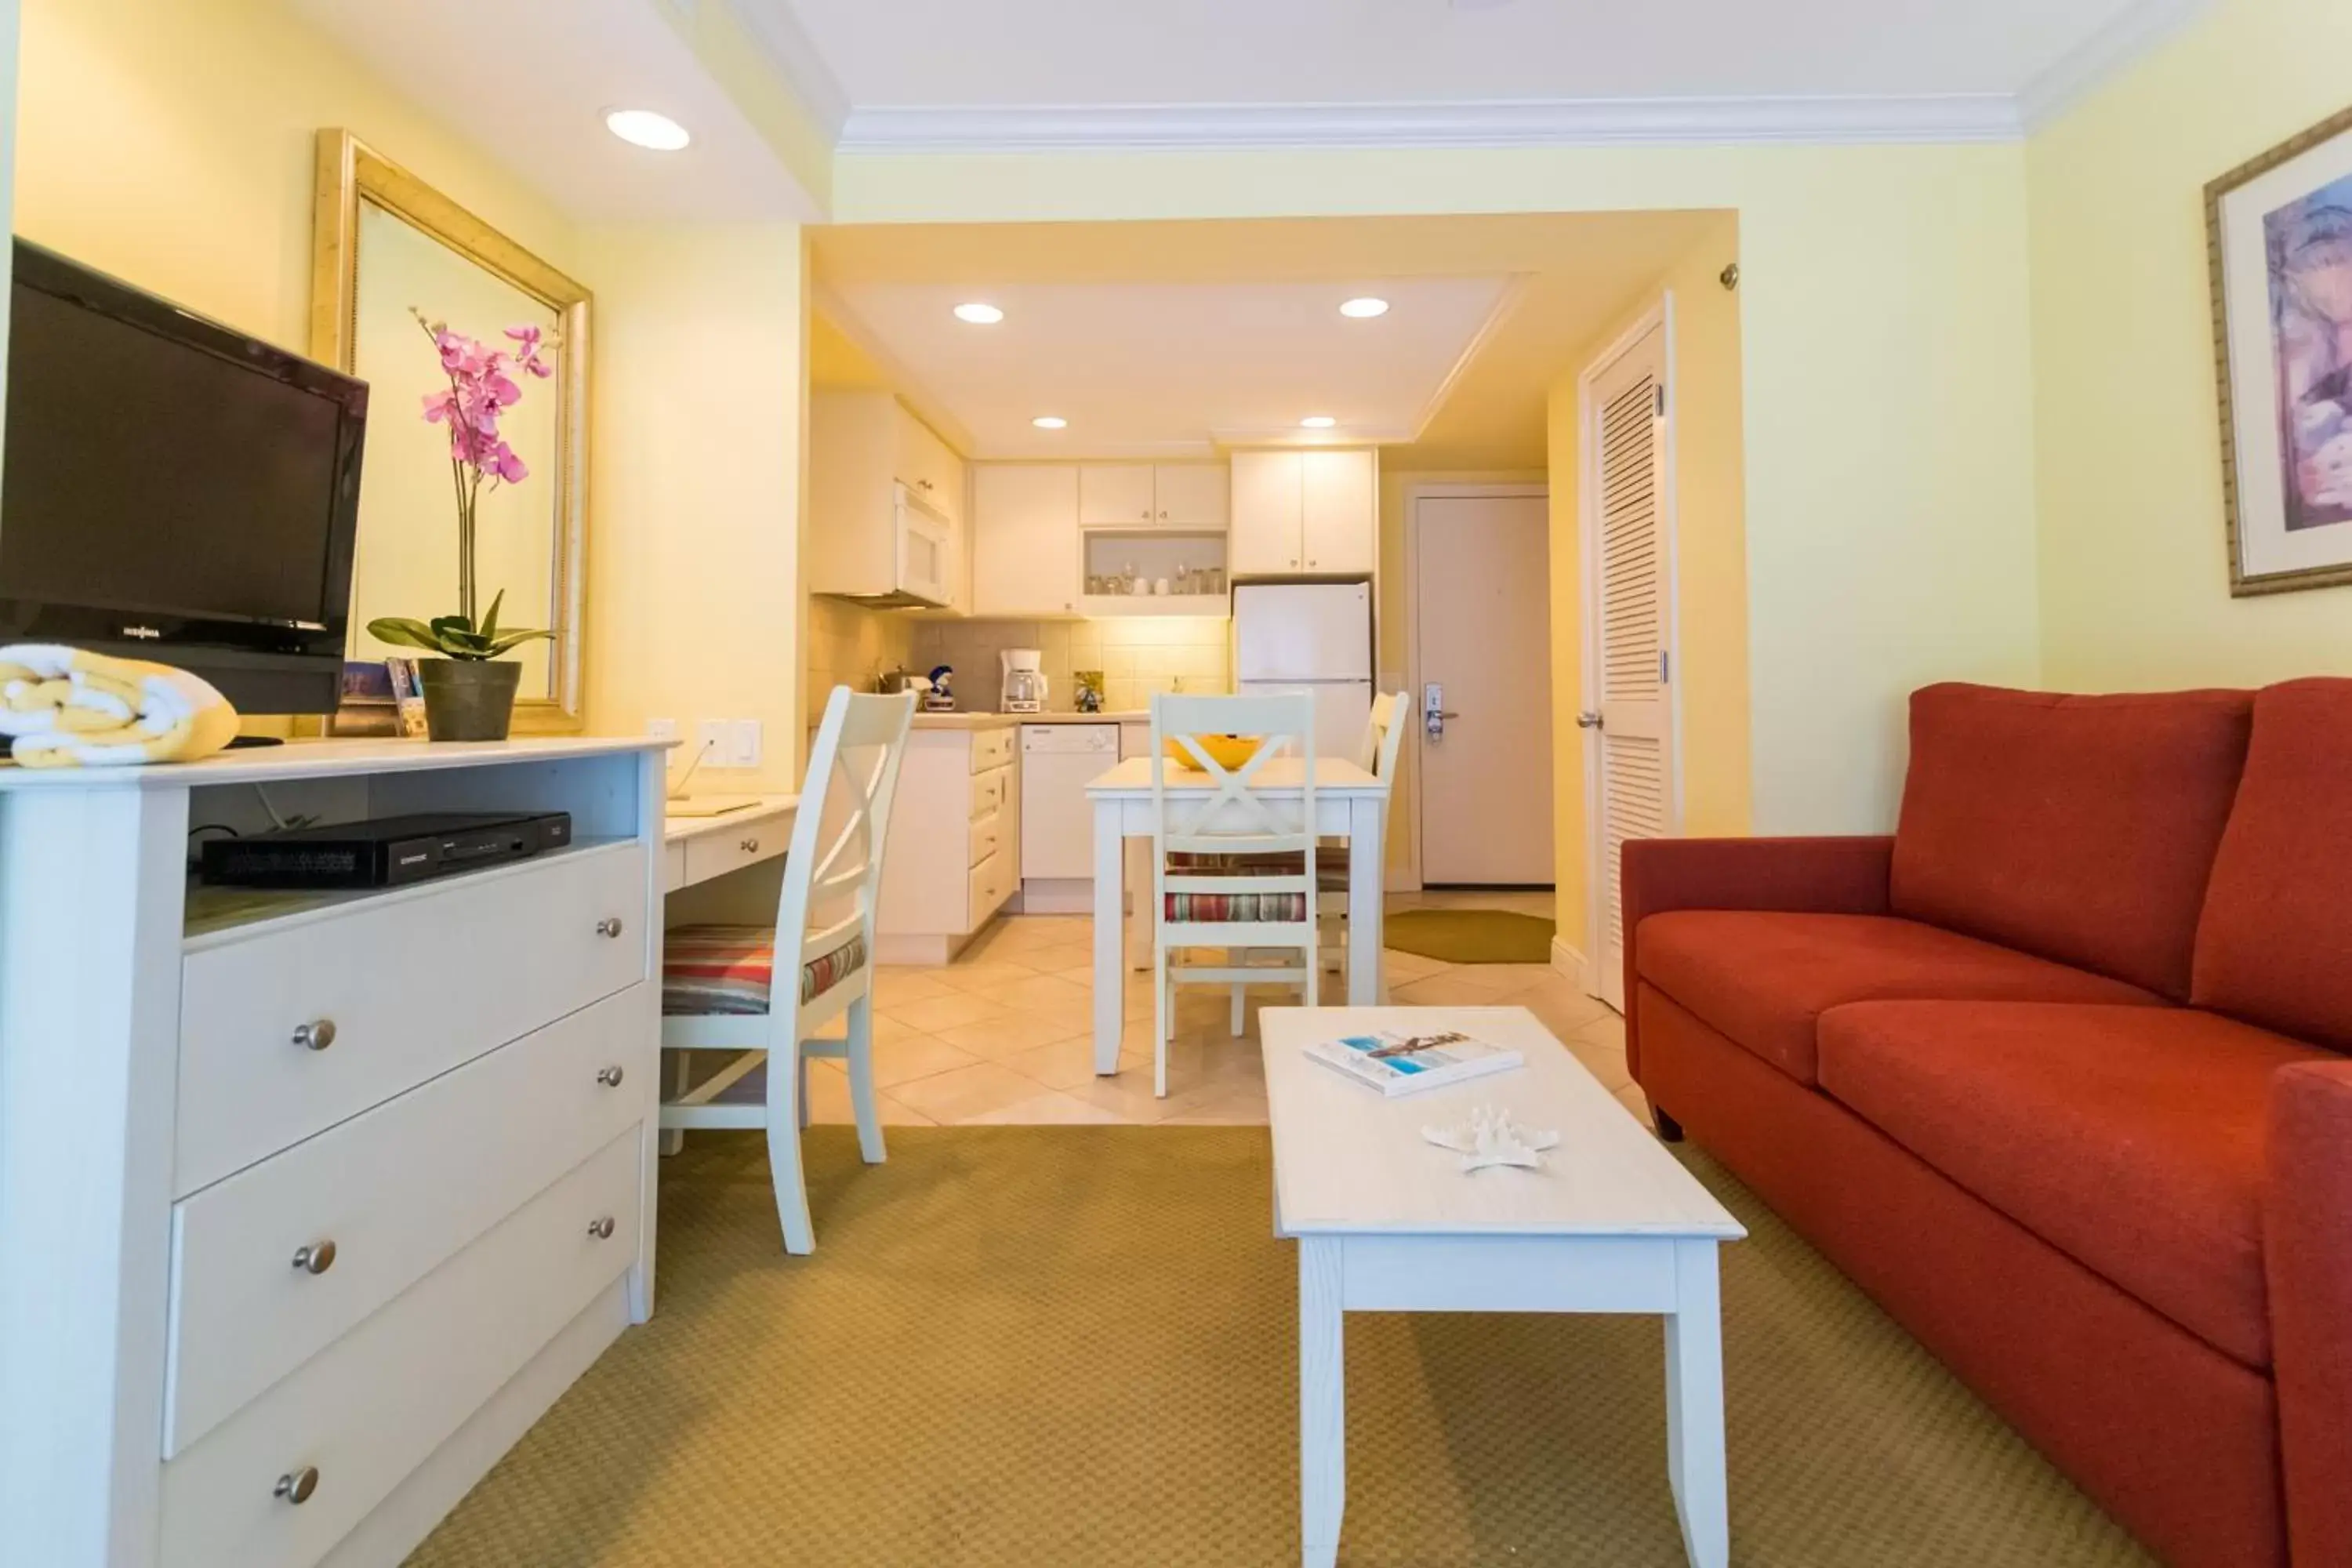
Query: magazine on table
point(1404, 1061)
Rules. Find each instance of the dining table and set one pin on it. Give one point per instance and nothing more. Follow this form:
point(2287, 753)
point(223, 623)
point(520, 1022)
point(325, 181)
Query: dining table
point(1349, 803)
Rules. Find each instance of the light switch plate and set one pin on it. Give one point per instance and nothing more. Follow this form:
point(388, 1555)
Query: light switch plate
point(711, 743)
point(662, 729)
point(745, 751)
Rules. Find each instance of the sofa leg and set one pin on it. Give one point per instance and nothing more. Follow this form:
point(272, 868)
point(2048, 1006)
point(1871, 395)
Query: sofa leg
point(1669, 1130)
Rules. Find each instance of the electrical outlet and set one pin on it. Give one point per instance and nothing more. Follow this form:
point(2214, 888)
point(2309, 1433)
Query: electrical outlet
point(662, 729)
point(745, 751)
point(710, 744)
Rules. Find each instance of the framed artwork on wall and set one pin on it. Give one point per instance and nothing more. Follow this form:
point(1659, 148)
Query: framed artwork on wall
point(2279, 230)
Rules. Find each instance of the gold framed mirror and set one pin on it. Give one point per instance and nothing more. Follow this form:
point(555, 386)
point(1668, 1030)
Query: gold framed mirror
point(385, 249)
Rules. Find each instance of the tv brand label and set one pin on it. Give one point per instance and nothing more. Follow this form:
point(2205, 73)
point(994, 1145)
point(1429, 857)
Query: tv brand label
point(144, 634)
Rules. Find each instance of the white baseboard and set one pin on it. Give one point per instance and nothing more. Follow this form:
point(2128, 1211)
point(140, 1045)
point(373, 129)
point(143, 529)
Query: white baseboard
point(1567, 960)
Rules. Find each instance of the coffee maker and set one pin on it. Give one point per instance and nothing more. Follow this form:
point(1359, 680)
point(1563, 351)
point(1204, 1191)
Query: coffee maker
point(1024, 681)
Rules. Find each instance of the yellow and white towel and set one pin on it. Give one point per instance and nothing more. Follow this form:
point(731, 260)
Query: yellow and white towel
point(62, 708)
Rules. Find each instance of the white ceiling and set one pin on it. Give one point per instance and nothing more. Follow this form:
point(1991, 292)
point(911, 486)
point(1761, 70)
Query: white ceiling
point(1162, 369)
point(530, 80)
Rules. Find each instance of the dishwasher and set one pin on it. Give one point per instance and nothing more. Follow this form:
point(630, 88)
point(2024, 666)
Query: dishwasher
point(1057, 840)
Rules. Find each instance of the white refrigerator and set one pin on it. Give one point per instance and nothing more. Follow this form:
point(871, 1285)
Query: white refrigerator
point(1310, 636)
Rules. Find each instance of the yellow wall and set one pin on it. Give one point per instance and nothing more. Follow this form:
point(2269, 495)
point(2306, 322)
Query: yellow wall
point(1713, 685)
point(695, 607)
point(2135, 573)
point(1884, 359)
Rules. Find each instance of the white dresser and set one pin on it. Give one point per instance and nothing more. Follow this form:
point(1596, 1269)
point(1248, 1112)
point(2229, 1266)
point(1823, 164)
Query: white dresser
point(309, 1204)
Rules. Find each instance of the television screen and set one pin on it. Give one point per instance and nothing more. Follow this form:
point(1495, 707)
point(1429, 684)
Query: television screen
point(173, 488)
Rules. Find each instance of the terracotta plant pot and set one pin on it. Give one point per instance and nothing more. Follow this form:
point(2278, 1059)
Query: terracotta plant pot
point(468, 698)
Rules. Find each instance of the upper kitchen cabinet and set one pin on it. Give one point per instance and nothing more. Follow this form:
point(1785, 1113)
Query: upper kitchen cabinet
point(1301, 511)
point(864, 447)
point(1139, 495)
point(1024, 558)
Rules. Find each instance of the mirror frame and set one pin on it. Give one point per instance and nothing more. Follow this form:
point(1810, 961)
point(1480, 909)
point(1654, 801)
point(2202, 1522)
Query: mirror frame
point(349, 171)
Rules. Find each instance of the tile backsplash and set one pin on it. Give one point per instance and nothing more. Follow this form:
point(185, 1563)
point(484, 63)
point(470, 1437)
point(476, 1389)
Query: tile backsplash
point(1137, 654)
point(849, 645)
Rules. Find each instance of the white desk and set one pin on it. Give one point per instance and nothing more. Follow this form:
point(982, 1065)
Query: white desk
point(1349, 802)
point(697, 848)
point(1387, 1222)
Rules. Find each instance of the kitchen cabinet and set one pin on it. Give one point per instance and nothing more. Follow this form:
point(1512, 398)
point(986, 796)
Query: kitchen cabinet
point(1312, 510)
point(1142, 495)
point(1024, 535)
point(953, 854)
point(861, 445)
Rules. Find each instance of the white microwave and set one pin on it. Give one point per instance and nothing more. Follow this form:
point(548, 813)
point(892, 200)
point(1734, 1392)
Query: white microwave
point(924, 550)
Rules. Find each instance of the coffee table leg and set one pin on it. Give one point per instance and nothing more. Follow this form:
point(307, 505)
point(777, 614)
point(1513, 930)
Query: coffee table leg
point(1694, 1406)
point(1322, 1401)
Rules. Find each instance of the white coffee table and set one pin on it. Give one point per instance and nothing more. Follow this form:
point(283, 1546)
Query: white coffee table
point(1388, 1223)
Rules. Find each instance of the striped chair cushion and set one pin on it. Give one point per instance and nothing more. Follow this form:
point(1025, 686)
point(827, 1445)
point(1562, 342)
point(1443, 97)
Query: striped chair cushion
point(719, 968)
point(1331, 867)
point(1238, 908)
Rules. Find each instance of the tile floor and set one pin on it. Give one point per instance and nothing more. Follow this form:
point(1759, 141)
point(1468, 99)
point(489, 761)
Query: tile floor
point(1004, 1034)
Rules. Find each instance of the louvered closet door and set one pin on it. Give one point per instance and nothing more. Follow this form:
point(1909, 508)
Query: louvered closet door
point(1631, 614)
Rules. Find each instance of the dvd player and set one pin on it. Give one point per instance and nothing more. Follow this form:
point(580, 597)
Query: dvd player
point(385, 853)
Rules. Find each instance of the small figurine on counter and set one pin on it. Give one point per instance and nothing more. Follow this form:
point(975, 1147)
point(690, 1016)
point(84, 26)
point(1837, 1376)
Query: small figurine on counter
point(1090, 690)
point(939, 699)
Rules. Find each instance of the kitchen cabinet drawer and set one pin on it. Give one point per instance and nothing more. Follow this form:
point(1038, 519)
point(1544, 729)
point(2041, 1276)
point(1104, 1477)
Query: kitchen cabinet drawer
point(989, 791)
point(735, 846)
point(985, 839)
point(992, 884)
point(396, 1191)
point(369, 1409)
point(993, 748)
point(413, 984)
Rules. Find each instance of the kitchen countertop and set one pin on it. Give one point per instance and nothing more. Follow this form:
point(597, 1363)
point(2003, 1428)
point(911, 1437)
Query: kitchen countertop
point(983, 720)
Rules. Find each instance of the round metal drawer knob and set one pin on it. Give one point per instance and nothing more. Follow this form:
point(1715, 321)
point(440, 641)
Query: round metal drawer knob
point(295, 1486)
point(602, 1229)
point(609, 926)
point(609, 1076)
point(751, 846)
point(316, 1257)
point(315, 1035)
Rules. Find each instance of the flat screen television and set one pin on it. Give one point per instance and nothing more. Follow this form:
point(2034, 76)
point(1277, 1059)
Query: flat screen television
point(176, 491)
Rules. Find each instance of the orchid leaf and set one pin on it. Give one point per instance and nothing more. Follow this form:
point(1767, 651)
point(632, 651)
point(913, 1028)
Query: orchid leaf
point(403, 632)
point(515, 639)
point(490, 621)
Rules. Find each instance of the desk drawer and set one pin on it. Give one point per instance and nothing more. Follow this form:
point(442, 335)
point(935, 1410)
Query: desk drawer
point(398, 1191)
point(984, 837)
point(370, 1408)
point(415, 983)
point(736, 846)
point(993, 748)
point(989, 790)
point(673, 876)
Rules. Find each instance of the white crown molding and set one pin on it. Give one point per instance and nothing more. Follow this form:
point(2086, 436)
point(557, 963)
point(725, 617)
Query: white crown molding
point(797, 59)
point(2124, 42)
point(1658, 122)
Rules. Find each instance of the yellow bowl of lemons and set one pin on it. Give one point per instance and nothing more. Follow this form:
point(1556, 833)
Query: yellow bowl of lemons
point(1230, 750)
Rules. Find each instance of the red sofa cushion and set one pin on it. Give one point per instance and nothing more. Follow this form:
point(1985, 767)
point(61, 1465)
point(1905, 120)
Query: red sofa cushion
point(2080, 828)
point(2131, 1139)
point(2276, 947)
point(1764, 978)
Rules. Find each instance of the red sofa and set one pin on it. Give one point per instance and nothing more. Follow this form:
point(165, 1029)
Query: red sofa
point(2059, 1075)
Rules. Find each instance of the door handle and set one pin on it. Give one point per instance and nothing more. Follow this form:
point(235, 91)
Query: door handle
point(1433, 712)
point(1588, 719)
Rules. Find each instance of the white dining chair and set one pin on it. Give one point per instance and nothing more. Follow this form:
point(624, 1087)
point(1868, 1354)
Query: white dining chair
point(1234, 870)
point(718, 982)
point(1384, 738)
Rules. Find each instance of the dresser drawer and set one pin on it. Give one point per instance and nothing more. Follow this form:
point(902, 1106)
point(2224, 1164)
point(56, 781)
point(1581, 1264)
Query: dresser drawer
point(370, 1408)
point(993, 748)
point(984, 839)
point(396, 1191)
point(738, 845)
point(414, 984)
point(989, 790)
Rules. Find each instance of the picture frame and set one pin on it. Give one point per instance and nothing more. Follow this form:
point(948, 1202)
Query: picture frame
point(2279, 250)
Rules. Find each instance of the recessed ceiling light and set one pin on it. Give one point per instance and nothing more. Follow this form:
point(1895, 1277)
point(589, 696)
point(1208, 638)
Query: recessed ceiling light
point(644, 128)
point(1318, 422)
point(978, 314)
point(1365, 308)
point(1050, 421)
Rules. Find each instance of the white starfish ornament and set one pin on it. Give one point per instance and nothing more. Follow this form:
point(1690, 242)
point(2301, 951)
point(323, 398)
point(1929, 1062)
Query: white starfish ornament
point(1492, 1138)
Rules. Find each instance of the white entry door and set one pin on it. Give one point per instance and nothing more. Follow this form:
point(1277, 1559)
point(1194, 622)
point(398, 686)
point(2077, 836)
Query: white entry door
point(1482, 616)
point(1629, 614)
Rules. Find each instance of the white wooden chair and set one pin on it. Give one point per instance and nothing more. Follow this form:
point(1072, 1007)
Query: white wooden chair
point(1236, 871)
point(718, 982)
point(1384, 737)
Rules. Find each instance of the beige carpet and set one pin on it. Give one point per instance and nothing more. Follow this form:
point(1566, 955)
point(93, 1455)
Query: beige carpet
point(1470, 936)
point(1029, 1347)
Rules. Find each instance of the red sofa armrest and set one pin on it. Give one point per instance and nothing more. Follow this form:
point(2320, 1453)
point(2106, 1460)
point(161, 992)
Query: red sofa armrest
point(2307, 1250)
point(1801, 876)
